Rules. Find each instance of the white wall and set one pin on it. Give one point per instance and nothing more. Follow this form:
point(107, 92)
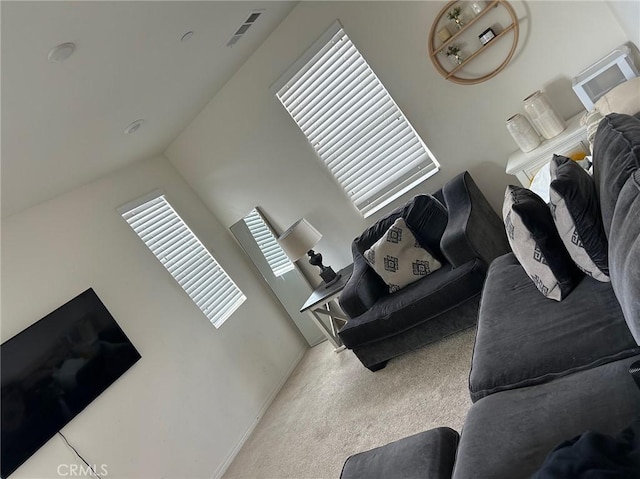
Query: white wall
point(627, 12)
point(185, 406)
point(243, 149)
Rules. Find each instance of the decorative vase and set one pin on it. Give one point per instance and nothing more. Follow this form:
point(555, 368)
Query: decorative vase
point(456, 16)
point(454, 52)
point(543, 116)
point(523, 133)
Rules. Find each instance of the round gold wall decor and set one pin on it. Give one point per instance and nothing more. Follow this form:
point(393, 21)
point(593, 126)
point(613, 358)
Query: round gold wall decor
point(438, 47)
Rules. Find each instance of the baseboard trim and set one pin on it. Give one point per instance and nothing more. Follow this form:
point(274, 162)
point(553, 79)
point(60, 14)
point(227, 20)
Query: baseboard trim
point(232, 455)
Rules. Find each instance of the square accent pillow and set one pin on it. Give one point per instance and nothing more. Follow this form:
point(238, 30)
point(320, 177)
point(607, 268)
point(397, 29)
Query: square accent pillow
point(624, 98)
point(399, 259)
point(427, 219)
point(591, 120)
point(576, 214)
point(536, 244)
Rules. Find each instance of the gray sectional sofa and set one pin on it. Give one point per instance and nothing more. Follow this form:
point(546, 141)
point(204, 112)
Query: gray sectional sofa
point(545, 371)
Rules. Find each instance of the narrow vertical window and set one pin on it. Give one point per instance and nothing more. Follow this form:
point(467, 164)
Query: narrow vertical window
point(278, 261)
point(183, 255)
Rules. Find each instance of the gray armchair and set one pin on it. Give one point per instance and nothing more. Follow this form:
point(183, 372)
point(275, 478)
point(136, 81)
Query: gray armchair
point(459, 227)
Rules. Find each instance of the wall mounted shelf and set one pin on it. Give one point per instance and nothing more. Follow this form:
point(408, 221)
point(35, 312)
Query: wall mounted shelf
point(437, 47)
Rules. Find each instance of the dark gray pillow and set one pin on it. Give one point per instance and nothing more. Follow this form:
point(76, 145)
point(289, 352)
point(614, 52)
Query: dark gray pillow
point(576, 213)
point(624, 253)
point(536, 244)
point(616, 155)
point(427, 218)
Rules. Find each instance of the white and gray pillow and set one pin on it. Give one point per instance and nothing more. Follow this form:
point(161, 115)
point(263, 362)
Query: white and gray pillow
point(399, 259)
point(591, 120)
point(576, 213)
point(536, 243)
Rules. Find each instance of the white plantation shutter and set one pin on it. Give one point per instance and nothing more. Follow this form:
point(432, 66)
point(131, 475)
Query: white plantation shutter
point(353, 124)
point(169, 238)
point(273, 253)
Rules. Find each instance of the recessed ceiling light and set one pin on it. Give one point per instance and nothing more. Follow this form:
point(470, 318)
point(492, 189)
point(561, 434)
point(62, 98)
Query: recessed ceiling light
point(187, 36)
point(133, 127)
point(61, 52)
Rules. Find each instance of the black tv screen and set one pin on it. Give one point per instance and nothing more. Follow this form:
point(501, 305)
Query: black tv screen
point(53, 369)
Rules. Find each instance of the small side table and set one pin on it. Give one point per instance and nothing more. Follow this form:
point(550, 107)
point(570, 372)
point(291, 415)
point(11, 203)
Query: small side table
point(319, 304)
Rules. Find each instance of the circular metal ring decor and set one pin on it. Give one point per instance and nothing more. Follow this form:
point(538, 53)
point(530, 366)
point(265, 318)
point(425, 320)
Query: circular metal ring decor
point(451, 73)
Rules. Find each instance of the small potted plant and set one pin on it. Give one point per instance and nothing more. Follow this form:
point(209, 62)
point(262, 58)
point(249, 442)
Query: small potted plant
point(454, 51)
point(455, 15)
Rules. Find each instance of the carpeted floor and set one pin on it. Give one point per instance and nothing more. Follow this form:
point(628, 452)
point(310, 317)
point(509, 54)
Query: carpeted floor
point(332, 407)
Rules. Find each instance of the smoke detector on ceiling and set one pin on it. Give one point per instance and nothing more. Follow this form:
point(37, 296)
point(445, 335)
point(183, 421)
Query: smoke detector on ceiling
point(248, 23)
point(187, 36)
point(61, 52)
point(133, 127)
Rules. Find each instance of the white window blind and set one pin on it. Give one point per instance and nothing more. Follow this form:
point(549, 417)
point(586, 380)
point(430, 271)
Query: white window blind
point(278, 260)
point(184, 256)
point(353, 124)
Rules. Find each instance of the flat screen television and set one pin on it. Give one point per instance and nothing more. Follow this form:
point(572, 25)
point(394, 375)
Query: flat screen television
point(53, 370)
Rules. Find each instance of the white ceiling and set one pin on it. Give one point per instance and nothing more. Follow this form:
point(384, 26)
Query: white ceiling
point(63, 123)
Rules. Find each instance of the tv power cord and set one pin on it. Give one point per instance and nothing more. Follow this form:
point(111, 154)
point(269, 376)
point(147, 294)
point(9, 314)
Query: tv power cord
point(78, 454)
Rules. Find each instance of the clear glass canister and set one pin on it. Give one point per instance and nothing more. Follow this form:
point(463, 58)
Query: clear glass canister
point(542, 114)
point(523, 133)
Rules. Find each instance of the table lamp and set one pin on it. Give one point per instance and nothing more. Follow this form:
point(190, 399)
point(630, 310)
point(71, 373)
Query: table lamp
point(299, 239)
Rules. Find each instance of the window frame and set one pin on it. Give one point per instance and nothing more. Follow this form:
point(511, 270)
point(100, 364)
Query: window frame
point(372, 197)
point(195, 284)
point(279, 262)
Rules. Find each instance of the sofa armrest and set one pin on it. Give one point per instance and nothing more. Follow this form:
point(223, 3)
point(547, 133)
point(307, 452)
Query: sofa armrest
point(474, 229)
point(363, 289)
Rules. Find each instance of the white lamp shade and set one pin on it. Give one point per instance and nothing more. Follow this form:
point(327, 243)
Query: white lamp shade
point(298, 239)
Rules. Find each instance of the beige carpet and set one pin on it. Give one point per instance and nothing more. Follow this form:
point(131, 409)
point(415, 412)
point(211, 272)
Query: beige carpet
point(332, 407)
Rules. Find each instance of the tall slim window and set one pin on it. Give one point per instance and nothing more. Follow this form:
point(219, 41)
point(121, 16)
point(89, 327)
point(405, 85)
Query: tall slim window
point(183, 255)
point(353, 124)
point(278, 260)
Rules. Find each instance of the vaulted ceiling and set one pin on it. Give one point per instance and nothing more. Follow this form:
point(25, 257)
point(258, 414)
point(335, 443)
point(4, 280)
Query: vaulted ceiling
point(63, 122)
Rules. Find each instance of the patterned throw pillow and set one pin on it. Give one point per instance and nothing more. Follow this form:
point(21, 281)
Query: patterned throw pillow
point(399, 259)
point(576, 213)
point(591, 120)
point(536, 244)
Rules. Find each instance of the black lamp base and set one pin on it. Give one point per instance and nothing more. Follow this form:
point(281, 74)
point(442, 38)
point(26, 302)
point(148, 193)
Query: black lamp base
point(329, 276)
point(327, 273)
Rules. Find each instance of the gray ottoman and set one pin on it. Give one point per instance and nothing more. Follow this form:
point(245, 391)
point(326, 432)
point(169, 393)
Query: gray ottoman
point(427, 455)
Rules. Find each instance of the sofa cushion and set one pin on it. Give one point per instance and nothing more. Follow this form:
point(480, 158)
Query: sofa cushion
point(418, 302)
point(508, 435)
point(536, 243)
point(524, 339)
point(399, 259)
point(616, 155)
point(624, 252)
point(429, 454)
point(576, 214)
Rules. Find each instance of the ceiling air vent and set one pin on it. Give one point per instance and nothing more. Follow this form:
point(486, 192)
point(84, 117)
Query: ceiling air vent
point(244, 27)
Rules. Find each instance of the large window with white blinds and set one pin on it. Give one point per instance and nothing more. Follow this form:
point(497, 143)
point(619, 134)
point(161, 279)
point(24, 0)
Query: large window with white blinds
point(278, 260)
point(183, 255)
point(353, 124)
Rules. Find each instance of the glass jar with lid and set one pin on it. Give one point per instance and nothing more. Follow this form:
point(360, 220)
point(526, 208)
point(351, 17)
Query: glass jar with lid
point(543, 116)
